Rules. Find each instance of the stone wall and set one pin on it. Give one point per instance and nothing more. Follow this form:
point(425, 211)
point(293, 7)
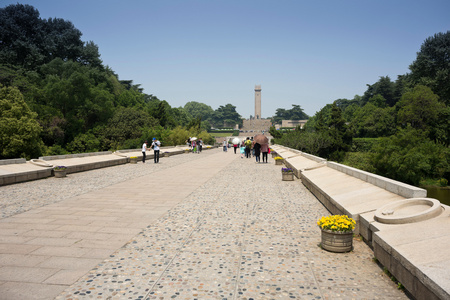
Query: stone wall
point(256, 125)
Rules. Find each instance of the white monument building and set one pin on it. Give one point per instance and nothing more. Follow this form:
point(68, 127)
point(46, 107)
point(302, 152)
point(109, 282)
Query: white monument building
point(256, 124)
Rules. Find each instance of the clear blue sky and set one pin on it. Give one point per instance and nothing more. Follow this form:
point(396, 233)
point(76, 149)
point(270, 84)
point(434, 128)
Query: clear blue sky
point(215, 51)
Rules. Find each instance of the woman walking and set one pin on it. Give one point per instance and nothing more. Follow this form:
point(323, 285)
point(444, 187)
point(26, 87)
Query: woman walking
point(265, 151)
point(257, 149)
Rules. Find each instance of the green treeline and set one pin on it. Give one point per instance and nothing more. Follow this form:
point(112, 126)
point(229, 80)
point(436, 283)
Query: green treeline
point(398, 129)
point(57, 97)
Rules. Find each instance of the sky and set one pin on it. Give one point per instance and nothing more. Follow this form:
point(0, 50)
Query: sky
point(307, 53)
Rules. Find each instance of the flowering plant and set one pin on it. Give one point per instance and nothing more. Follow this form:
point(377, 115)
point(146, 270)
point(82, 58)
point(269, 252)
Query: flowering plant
point(287, 170)
point(59, 168)
point(337, 223)
point(278, 158)
point(133, 157)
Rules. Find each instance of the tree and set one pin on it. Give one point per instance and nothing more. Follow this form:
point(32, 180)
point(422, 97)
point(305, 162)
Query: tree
point(28, 41)
point(432, 65)
point(373, 121)
point(295, 113)
point(226, 116)
point(409, 156)
point(384, 87)
point(163, 114)
point(21, 36)
point(61, 40)
point(197, 109)
point(19, 130)
point(340, 135)
point(420, 108)
point(126, 124)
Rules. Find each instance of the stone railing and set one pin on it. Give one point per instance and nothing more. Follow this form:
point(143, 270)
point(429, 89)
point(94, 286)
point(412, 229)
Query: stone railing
point(393, 186)
point(64, 156)
point(12, 161)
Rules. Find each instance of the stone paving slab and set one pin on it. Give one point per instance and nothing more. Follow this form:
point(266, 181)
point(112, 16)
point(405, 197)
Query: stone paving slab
point(243, 234)
point(64, 240)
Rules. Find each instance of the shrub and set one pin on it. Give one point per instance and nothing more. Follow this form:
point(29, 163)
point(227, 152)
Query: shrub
point(410, 156)
point(364, 144)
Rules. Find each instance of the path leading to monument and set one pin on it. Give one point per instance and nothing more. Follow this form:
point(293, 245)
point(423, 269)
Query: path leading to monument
point(213, 227)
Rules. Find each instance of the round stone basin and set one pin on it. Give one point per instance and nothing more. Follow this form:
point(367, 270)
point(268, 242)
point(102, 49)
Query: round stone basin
point(409, 211)
point(40, 163)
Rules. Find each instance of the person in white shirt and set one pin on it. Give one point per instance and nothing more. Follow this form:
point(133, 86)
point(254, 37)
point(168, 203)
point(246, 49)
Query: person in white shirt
point(155, 145)
point(144, 151)
point(225, 145)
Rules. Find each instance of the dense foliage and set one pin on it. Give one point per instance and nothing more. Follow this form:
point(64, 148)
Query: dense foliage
point(58, 97)
point(295, 113)
point(400, 129)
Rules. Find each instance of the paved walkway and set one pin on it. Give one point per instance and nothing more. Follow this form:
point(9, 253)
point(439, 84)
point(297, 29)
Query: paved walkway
point(217, 227)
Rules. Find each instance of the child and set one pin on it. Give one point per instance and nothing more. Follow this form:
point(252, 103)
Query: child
point(242, 150)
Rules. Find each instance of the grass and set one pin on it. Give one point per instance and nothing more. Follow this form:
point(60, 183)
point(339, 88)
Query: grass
point(386, 271)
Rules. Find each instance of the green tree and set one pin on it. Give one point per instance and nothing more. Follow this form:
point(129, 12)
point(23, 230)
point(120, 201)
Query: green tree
point(432, 65)
point(19, 130)
point(126, 124)
point(181, 116)
point(440, 130)
point(373, 121)
point(340, 135)
point(275, 133)
point(420, 108)
point(21, 35)
point(226, 116)
point(295, 113)
point(197, 109)
point(410, 156)
point(384, 87)
point(28, 41)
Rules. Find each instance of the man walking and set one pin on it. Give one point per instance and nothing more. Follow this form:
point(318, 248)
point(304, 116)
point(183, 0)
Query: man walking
point(144, 151)
point(248, 146)
point(155, 146)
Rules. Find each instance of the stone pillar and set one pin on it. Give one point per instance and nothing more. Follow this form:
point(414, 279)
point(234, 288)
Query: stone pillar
point(257, 102)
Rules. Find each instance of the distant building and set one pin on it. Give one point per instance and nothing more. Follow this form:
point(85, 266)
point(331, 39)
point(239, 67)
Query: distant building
point(293, 123)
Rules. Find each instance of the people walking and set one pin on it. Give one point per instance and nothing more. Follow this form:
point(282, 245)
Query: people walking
point(155, 145)
point(199, 145)
point(188, 143)
point(252, 148)
point(242, 150)
point(194, 146)
point(257, 149)
point(248, 145)
point(144, 151)
point(265, 151)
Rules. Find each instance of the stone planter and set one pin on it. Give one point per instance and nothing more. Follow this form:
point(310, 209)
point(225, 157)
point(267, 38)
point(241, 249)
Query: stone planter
point(133, 160)
point(59, 173)
point(287, 176)
point(278, 162)
point(336, 241)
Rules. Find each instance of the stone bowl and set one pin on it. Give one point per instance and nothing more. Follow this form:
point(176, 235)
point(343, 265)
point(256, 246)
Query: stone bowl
point(41, 163)
point(409, 211)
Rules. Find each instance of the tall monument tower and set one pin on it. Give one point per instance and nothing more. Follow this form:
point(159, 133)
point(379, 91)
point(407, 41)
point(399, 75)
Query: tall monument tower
point(257, 102)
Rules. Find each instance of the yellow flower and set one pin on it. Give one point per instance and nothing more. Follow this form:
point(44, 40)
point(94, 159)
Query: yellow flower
point(337, 223)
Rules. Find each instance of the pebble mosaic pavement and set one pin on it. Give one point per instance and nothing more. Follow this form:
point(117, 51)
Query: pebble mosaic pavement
point(244, 234)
